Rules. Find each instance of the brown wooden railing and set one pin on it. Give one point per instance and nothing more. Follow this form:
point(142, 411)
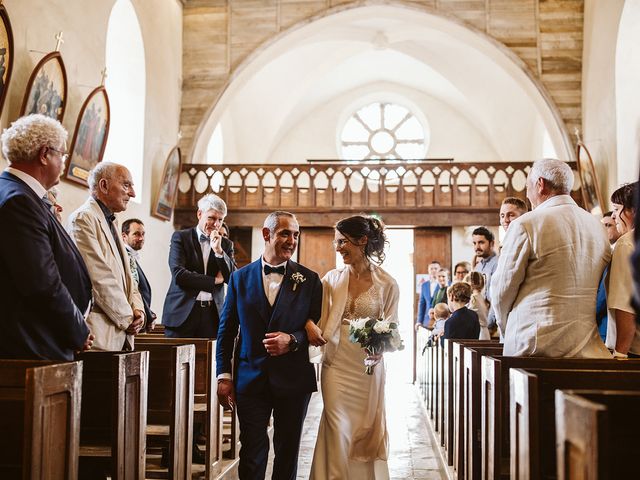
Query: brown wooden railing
point(389, 187)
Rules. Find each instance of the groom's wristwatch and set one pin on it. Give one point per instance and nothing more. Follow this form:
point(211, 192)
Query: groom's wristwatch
point(293, 343)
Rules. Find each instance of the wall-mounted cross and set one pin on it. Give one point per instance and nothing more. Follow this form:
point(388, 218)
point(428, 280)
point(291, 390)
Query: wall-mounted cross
point(59, 41)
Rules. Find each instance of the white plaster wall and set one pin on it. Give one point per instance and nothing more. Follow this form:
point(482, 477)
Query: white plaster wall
point(452, 135)
point(601, 19)
point(84, 23)
point(627, 97)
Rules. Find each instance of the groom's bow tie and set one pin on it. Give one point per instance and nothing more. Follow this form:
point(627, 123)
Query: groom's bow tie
point(269, 269)
point(204, 238)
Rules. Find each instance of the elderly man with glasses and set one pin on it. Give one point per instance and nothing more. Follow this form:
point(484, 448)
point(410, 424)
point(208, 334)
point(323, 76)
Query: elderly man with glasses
point(45, 289)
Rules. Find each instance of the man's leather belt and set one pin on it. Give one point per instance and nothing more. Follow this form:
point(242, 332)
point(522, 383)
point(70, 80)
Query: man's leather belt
point(204, 303)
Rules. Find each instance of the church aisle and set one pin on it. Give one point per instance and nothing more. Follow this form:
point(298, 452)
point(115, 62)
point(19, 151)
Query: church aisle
point(413, 455)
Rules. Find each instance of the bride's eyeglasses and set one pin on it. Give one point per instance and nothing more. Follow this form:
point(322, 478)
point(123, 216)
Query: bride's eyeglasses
point(341, 242)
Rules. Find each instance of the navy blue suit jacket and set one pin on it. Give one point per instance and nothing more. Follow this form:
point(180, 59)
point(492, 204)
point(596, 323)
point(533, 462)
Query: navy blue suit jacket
point(144, 287)
point(462, 324)
point(44, 286)
point(424, 303)
point(188, 278)
point(247, 309)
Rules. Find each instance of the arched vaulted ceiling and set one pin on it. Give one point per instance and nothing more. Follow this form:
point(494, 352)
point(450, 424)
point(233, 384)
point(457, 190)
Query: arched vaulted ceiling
point(353, 50)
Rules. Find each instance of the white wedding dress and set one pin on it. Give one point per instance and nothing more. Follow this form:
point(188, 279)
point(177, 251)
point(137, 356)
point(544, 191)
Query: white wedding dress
point(352, 439)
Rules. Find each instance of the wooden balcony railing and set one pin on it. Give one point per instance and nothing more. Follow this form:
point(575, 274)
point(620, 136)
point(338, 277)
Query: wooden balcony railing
point(389, 188)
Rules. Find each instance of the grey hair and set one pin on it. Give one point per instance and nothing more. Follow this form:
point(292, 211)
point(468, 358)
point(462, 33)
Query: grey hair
point(22, 141)
point(556, 173)
point(271, 222)
point(212, 202)
point(100, 171)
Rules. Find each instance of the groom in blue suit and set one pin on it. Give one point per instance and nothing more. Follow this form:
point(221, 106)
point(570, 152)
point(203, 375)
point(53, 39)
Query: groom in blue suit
point(269, 302)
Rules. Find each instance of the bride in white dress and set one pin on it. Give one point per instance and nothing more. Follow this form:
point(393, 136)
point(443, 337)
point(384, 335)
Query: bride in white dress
point(352, 439)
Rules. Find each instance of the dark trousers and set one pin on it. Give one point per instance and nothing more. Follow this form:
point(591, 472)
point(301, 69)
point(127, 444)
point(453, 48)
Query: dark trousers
point(202, 322)
point(254, 412)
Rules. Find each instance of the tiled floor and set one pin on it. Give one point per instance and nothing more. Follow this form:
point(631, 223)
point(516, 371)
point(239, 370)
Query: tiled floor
point(412, 455)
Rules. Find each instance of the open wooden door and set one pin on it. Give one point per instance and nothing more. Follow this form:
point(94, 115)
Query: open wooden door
point(315, 250)
point(430, 244)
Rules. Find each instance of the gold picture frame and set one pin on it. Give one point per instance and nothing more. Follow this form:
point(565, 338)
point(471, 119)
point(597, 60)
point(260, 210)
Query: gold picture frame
point(589, 185)
point(90, 136)
point(47, 88)
point(168, 190)
point(6, 54)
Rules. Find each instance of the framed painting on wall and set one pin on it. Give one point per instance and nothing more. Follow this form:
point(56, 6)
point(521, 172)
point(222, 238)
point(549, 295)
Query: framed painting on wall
point(90, 137)
point(589, 180)
point(47, 88)
point(165, 200)
point(6, 54)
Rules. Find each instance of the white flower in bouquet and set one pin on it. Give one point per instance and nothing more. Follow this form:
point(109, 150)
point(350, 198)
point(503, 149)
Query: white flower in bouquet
point(382, 326)
point(359, 323)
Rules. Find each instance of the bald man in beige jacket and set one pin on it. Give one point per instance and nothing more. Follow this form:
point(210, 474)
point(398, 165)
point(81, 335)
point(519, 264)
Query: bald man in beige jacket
point(544, 288)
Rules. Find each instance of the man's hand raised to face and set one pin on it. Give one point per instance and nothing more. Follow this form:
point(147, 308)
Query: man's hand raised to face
point(216, 242)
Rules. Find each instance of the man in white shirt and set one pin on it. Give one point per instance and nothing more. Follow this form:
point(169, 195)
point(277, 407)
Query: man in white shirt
point(544, 288)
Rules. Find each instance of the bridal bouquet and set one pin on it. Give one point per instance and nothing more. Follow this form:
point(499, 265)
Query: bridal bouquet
point(376, 336)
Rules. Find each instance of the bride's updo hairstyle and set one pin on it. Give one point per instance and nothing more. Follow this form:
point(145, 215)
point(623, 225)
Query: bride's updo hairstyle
point(358, 226)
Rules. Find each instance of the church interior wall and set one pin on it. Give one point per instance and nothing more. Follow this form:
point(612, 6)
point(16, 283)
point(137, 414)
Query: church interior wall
point(601, 21)
point(626, 88)
point(84, 30)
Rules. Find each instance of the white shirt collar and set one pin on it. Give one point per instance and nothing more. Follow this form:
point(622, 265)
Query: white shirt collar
point(200, 232)
point(34, 184)
point(556, 200)
point(134, 253)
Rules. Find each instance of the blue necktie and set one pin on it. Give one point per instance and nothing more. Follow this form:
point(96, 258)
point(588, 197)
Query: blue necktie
point(269, 269)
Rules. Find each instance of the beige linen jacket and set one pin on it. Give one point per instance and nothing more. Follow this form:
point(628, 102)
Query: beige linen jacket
point(544, 289)
point(335, 289)
point(115, 293)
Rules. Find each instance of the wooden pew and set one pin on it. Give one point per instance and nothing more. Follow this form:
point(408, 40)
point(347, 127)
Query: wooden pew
point(440, 387)
point(595, 434)
point(469, 412)
point(435, 381)
point(40, 420)
point(495, 402)
point(455, 402)
point(170, 406)
point(422, 362)
point(532, 412)
point(114, 415)
point(207, 408)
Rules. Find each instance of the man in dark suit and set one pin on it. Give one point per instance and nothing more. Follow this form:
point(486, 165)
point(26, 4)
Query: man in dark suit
point(201, 262)
point(133, 234)
point(45, 289)
point(268, 302)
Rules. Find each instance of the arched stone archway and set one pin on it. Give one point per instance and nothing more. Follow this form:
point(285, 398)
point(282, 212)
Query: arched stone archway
point(214, 92)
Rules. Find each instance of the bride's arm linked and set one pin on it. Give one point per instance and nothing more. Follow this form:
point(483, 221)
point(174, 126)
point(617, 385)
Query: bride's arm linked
point(314, 331)
point(314, 334)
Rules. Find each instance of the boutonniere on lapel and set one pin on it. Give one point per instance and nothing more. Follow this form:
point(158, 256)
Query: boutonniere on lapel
point(297, 279)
